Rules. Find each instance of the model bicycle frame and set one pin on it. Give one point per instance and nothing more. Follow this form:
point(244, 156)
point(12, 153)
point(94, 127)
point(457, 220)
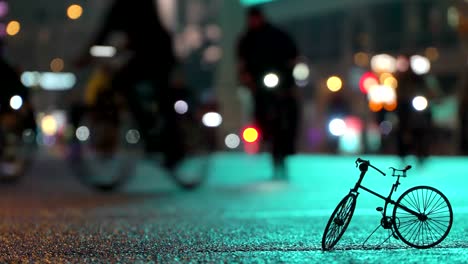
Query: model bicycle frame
point(422, 216)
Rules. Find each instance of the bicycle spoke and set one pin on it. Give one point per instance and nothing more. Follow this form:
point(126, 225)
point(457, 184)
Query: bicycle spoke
point(418, 201)
point(411, 202)
point(435, 230)
point(426, 201)
point(440, 206)
point(432, 200)
point(429, 229)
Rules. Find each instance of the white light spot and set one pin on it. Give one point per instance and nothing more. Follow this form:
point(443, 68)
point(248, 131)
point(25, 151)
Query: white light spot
point(16, 102)
point(271, 80)
point(337, 127)
point(30, 79)
point(383, 63)
point(212, 119)
point(420, 64)
point(57, 80)
point(82, 133)
point(102, 51)
point(232, 141)
point(382, 94)
point(420, 103)
point(132, 136)
point(301, 72)
point(181, 107)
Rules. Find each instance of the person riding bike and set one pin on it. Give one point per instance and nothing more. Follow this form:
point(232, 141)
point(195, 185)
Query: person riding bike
point(262, 49)
point(152, 61)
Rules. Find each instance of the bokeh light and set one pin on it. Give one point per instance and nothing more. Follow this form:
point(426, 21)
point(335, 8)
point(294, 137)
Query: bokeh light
point(382, 94)
point(74, 11)
point(13, 28)
point(386, 127)
point(3, 8)
point(16, 102)
point(301, 72)
point(212, 54)
point(375, 106)
point(402, 63)
point(367, 81)
point(391, 106)
point(250, 134)
point(350, 142)
point(334, 83)
point(420, 64)
point(57, 65)
point(271, 80)
point(232, 141)
point(102, 51)
point(383, 63)
point(453, 17)
point(82, 133)
point(432, 53)
point(181, 107)
point(361, 59)
point(337, 127)
point(213, 32)
point(420, 103)
point(49, 125)
point(212, 119)
point(132, 136)
point(391, 82)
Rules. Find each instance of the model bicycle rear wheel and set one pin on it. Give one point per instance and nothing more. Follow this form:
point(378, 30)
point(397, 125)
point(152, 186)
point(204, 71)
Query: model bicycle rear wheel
point(433, 223)
point(338, 222)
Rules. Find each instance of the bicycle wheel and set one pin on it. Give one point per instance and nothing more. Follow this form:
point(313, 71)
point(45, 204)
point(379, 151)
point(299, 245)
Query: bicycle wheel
point(99, 158)
point(338, 222)
point(431, 226)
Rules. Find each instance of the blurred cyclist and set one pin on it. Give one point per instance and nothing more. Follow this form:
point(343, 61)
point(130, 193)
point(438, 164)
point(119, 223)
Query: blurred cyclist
point(264, 49)
point(152, 61)
point(414, 127)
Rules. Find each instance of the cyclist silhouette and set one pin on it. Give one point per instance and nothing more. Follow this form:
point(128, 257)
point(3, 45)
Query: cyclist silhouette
point(414, 126)
point(152, 60)
point(262, 49)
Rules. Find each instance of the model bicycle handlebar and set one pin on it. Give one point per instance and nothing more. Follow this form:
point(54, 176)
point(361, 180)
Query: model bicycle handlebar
point(359, 160)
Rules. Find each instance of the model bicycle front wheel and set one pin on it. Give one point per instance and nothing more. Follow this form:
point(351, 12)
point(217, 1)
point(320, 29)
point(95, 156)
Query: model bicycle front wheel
point(432, 222)
point(338, 222)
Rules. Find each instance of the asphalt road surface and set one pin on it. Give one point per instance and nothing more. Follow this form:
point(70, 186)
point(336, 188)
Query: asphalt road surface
point(238, 216)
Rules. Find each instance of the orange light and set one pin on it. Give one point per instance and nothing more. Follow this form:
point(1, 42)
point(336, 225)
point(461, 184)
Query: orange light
point(250, 134)
point(375, 107)
point(13, 28)
point(391, 106)
point(74, 11)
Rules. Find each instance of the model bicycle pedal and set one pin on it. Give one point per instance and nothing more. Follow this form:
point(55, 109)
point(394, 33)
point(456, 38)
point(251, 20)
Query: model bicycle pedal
point(422, 216)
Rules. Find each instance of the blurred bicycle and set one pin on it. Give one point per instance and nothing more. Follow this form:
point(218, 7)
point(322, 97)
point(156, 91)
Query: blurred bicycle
point(109, 142)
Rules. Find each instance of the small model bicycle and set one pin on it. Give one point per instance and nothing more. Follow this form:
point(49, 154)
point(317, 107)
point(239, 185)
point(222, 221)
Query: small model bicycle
point(422, 215)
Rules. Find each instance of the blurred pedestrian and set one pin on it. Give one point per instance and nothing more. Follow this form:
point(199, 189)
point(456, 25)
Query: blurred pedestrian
point(414, 125)
point(264, 49)
point(151, 61)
